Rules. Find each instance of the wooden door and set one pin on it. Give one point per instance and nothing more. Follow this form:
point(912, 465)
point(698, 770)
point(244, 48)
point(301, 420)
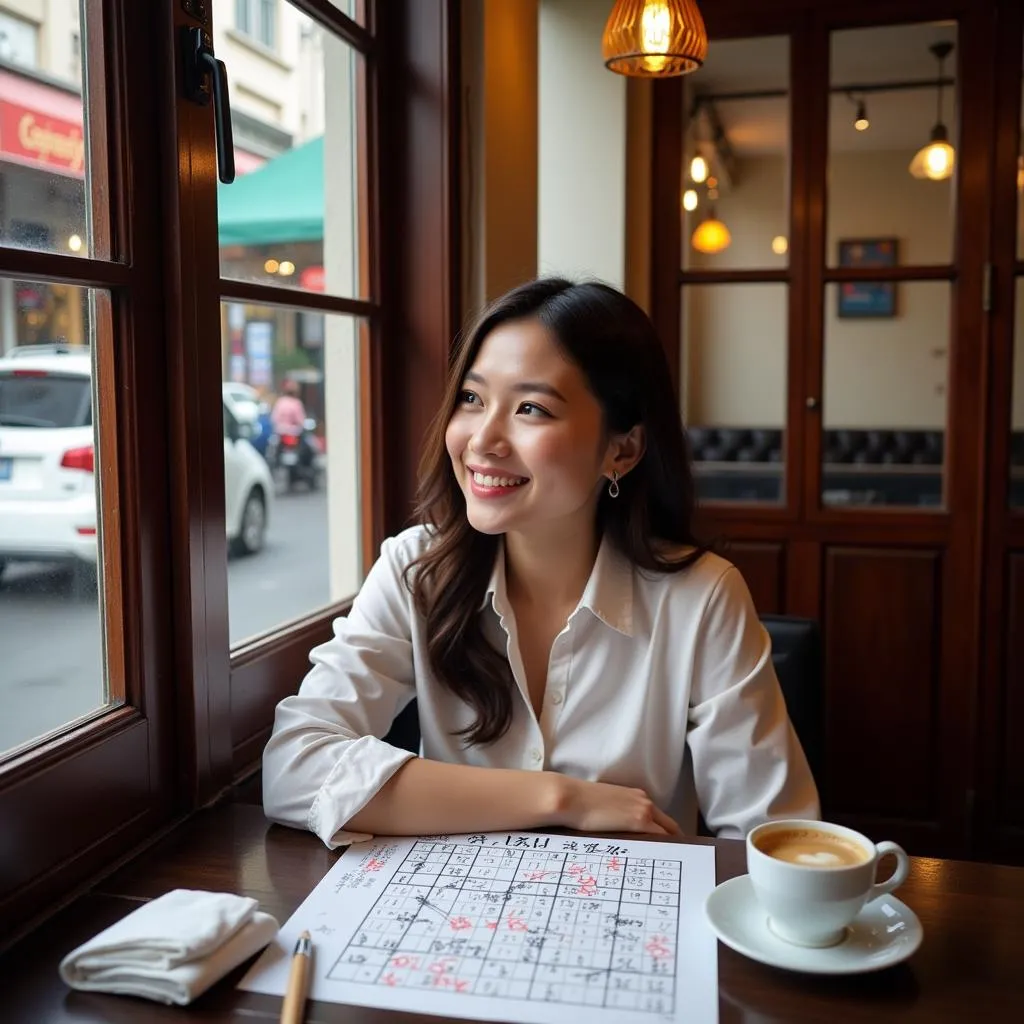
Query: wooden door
point(833, 365)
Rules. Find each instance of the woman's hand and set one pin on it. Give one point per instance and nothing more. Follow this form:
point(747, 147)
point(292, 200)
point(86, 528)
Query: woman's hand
point(602, 807)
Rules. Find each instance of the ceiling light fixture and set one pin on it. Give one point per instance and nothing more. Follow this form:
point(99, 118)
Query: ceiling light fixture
point(654, 38)
point(861, 122)
point(698, 169)
point(711, 235)
point(690, 200)
point(936, 160)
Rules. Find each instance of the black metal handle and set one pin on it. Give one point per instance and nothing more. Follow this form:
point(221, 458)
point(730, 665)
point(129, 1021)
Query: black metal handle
point(221, 117)
point(200, 62)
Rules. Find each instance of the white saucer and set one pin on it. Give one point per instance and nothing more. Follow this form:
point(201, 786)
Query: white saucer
point(884, 933)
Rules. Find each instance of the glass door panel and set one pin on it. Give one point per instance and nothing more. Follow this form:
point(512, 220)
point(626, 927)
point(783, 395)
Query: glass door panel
point(733, 372)
point(736, 157)
point(890, 94)
point(885, 399)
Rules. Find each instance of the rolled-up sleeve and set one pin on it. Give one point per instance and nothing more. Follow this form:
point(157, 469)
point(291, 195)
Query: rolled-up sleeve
point(325, 759)
point(748, 765)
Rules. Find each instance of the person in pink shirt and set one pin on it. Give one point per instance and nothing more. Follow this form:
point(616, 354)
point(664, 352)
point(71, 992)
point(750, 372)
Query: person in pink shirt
point(288, 414)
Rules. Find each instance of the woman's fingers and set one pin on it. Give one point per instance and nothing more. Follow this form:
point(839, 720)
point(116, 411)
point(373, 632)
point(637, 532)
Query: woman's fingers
point(670, 825)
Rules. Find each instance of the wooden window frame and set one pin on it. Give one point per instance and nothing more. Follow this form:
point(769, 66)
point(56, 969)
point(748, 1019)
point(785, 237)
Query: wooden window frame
point(69, 806)
point(195, 717)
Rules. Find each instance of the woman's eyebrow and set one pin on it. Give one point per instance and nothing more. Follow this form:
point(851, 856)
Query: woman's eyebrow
point(522, 387)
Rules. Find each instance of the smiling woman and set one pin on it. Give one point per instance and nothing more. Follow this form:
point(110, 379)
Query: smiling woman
point(568, 639)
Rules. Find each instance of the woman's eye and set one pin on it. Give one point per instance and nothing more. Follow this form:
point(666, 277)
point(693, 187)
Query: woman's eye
point(468, 398)
point(533, 410)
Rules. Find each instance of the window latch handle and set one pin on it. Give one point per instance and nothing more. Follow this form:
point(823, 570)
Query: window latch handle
point(201, 69)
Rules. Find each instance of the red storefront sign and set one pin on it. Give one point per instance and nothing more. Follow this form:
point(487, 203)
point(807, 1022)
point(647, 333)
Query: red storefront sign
point(31, 137)
point(41, 126)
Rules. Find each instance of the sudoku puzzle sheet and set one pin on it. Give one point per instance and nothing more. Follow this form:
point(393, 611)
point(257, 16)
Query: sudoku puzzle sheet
point(530, 927)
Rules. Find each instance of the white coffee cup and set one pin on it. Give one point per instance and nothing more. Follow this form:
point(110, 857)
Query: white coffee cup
point(811, 901)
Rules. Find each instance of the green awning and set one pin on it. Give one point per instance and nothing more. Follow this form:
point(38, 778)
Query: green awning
point(282, 201)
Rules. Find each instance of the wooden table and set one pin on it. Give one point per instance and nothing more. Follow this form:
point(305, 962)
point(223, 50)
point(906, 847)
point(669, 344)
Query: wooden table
point(970, 967)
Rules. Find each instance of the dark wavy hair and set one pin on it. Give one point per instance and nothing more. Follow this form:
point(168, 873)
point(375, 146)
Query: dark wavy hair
point(614, 343)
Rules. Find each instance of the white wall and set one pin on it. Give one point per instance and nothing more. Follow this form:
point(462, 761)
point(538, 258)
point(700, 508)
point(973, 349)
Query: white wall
point(878, 373)
point(582, 146)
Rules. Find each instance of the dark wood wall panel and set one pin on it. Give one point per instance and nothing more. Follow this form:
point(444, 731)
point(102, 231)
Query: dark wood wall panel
point(762, 568)
point(882, 657)
point(1010, 776)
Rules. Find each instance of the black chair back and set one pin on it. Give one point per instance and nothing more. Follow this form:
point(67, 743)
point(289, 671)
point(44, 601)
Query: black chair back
point(796, 654)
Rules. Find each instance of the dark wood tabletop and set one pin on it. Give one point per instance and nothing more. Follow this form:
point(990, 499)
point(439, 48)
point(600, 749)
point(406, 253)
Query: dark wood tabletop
point(969, 968)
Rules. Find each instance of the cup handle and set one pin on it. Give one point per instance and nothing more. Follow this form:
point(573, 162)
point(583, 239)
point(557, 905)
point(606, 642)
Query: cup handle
point(898, 877)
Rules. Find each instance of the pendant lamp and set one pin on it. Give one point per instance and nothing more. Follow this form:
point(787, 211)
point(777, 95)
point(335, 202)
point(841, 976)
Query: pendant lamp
point(937, 159)
point(711, 235)
point(654, 38)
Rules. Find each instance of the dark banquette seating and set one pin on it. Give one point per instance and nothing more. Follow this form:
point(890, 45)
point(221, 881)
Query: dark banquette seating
point(862, 467)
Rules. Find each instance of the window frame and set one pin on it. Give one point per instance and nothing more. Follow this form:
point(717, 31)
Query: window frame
point(74, 803)
point(195, 718)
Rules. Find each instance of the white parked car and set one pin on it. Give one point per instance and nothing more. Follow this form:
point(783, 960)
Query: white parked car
point(47, 483)
point(243, 400)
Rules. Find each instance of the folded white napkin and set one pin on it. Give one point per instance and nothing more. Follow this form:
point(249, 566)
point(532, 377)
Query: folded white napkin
point(173, 948)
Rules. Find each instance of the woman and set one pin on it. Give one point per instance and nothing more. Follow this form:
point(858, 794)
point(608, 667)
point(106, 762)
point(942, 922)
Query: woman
point(579, 659)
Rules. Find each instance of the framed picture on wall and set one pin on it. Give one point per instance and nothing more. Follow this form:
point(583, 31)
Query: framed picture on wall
point(867, 298)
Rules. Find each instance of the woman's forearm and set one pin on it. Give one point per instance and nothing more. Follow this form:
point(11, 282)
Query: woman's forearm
point(426, 796)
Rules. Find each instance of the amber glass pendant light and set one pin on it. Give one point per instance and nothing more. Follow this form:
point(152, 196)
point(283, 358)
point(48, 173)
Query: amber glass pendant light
point(654, 38)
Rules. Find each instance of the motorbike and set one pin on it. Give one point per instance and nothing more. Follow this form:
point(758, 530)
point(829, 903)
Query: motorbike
point(295, 456)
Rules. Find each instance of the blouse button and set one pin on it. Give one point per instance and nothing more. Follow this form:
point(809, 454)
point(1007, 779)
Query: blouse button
point(556, 697)
point(536, 756)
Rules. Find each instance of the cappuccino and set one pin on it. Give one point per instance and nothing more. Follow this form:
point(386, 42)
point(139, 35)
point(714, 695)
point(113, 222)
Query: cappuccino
point(809, 847)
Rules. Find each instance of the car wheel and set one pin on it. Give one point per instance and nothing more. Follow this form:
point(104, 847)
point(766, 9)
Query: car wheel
point(253, 530)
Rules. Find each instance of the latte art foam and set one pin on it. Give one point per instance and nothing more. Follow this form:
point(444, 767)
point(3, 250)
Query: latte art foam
point(810, 847)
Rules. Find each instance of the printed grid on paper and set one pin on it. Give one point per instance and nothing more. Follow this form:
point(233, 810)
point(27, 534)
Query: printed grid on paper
point(559, 927)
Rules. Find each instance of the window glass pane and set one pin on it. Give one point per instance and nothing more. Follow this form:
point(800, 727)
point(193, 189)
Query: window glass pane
point(48, 523)
point(884, 407)
point(355, 9)
point(44, 136)
point(294, 118)
point(736, 157)
point(733, 372)
point(1017, 412)
point(291, 454)
point(885, 107)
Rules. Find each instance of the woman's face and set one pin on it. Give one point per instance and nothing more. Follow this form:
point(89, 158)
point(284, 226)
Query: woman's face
point(526, 439)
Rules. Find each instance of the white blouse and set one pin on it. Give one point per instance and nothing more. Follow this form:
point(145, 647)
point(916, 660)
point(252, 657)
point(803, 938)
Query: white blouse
point(659, 681)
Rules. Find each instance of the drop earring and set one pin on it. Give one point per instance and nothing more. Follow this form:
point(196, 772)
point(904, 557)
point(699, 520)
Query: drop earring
point(613, 487)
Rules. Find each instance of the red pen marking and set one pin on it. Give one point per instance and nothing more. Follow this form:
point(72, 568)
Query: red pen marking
point(658, 947)
point(588, 885)
point(389, 979)
point(446, 981)
point(373, 864)
point(402, 960)
point(443, 966)
point(613, 864)
point(516, 923)
point(492, 925)
point(574, 869)
point(537, 876)
point(460, 924)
